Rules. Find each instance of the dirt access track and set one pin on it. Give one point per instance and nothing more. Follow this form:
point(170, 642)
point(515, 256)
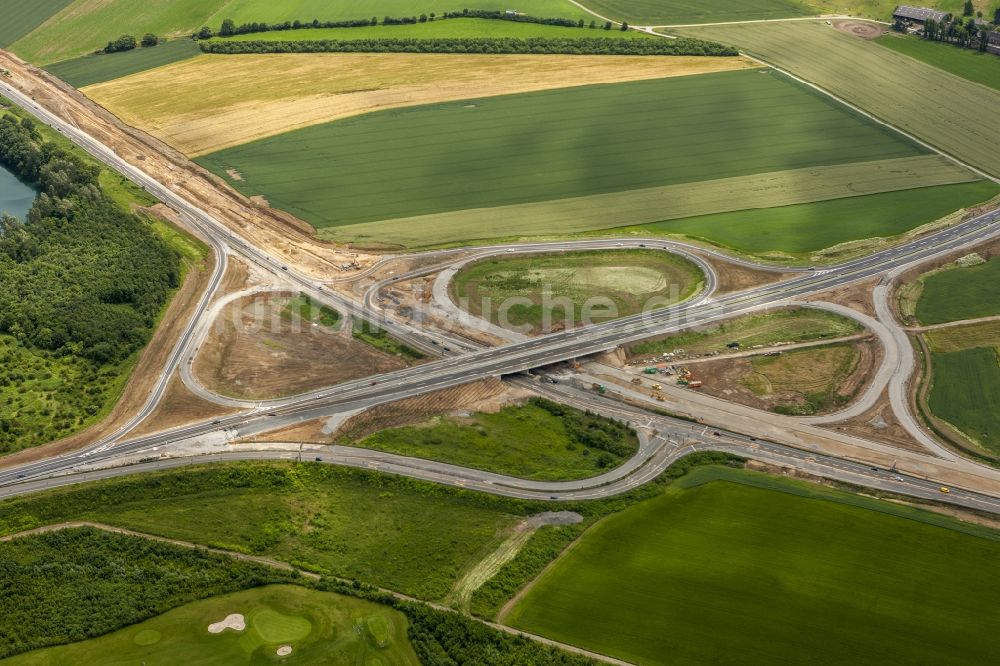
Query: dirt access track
point(862, 29)
point(280, 234)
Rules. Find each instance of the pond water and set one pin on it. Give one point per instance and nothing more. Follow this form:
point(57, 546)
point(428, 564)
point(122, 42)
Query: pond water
point(15, 197)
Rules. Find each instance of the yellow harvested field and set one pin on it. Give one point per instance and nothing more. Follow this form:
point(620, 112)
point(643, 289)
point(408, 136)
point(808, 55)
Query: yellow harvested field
point(213, 102)
point(632, 207)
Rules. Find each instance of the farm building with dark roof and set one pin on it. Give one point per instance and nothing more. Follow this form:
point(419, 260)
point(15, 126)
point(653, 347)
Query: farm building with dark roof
point(918, 14)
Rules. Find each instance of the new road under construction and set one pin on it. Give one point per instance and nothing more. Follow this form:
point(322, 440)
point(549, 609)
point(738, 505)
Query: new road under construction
point(782, 440)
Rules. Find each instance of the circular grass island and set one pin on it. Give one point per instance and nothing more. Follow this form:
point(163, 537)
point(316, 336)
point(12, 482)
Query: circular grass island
point(544, 293)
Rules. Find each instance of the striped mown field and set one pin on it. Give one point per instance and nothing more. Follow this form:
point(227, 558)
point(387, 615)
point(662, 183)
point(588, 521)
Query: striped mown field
point(947, 111)
point(554, 144)
point(709, 197)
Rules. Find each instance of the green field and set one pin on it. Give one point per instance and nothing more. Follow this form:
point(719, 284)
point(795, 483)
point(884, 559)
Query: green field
point(967, 63)
point(789, 325)
point(956, 293)
point(321, 628)
point(85, 26)
point(539, 440)
point(91, 69)
point(674, 12)
point(966, 393)
point(439, 29)
point(408, 536)
point(777, 199)
point(23, 17)
point(811, 227)
point(268, 11)
point(754, 569)
point(568, 288)
point(549, 145)
point(944, 110)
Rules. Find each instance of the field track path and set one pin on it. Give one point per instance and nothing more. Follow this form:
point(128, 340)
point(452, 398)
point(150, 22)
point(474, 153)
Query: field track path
point(284, 566)
point(952, 324)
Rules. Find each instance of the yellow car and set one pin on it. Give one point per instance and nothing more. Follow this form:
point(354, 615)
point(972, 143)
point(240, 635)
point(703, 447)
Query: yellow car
point(945, 489)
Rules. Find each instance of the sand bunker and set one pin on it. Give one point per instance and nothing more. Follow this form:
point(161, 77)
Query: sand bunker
point(236, 622)
point(284, 650)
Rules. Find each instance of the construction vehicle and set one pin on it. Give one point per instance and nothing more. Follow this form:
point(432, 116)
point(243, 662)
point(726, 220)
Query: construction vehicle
point(600, 388)
point(681, 381)
point(659, 398)
point(649, 371)
point(945, 489)
point(636, 380)
point(657, 387)
point(694, 384)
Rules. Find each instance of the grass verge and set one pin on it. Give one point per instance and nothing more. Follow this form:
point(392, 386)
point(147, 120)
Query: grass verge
point(539, 440)
point(408, 536)
point(758, 330)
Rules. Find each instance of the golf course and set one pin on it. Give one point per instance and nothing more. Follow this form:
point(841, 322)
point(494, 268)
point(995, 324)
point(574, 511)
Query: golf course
point(314, 627)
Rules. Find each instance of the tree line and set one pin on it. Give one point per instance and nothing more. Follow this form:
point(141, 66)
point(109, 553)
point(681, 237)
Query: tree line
point(503, 45)
point(229, 27)
point(81, 276)
point(129, 42)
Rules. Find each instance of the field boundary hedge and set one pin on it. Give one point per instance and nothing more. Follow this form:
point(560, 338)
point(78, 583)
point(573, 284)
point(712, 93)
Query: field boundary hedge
point(229, 27)
point(531, 45)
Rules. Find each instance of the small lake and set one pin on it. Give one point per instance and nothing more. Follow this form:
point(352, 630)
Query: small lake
point(15, 197)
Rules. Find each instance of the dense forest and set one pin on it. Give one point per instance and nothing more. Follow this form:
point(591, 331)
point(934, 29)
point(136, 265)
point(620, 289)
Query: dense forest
point(566, 46)
point(82, 282)
point(76, 584)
